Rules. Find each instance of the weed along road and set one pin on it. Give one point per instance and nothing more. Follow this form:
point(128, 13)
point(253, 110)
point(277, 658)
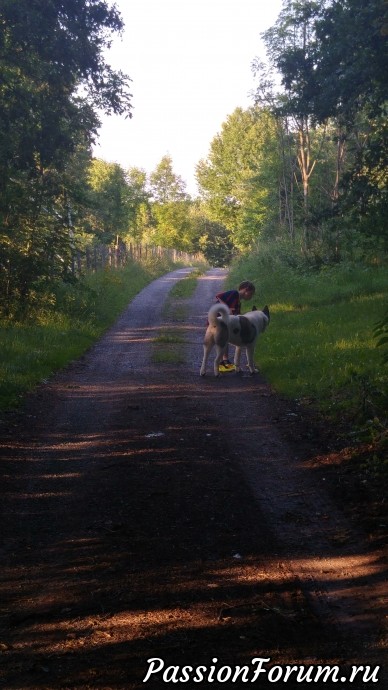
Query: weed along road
point(164, 529)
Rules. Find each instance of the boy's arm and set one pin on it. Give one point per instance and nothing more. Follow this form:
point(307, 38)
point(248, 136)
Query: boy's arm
point(231, 298)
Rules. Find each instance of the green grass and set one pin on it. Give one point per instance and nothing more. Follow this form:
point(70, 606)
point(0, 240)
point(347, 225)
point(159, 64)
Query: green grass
point(170, 355)
point(168, 347)
point(169, 344)
point(170, 338)
point(30, 354)
point(184, 288)
point(320, 343)
point(75, 316)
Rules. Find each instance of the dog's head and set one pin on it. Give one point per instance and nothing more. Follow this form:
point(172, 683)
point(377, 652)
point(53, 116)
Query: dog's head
point(265, 311)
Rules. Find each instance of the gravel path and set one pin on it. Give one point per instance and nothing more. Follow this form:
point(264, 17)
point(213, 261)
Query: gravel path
point(149, 512)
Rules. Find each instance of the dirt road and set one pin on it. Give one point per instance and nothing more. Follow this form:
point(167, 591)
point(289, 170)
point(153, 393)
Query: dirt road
point(151, 513)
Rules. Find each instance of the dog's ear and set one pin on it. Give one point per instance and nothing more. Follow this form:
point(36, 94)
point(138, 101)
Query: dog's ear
point(254, 309)
point(266, 312)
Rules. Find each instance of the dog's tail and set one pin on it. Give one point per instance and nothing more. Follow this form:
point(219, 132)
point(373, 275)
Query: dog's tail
point(218, 312)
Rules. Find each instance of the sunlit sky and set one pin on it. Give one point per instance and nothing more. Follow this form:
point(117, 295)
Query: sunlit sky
point(190, 65)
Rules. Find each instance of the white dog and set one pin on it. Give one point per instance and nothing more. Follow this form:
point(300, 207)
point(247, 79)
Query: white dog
point(241, 331)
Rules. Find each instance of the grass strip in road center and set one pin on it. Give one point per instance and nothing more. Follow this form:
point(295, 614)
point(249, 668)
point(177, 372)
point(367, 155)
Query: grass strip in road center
point(169, 343)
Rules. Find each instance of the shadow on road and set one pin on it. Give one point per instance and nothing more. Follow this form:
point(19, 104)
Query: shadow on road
point(150, 513)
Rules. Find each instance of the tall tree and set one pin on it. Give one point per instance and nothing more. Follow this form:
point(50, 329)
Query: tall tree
point(53, 76)
point(290, 45)
point(165, 185)
point(50, 53)
point(170, 206)
point(352, 84)
point(233, 179)
point(141, 216)
point(351, 66)
point(111, 199)
point(333, 61)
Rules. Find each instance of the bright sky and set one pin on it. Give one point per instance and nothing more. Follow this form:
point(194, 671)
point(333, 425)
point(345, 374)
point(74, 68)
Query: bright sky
point(190, 65)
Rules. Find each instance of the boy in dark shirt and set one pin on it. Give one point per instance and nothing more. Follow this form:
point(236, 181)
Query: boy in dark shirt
point(232, 298)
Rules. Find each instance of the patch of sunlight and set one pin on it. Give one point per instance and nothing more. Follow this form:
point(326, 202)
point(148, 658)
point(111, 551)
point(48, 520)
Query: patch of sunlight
point(282, 307)
point(368, 298)
point(354, 344)
point(363, 565)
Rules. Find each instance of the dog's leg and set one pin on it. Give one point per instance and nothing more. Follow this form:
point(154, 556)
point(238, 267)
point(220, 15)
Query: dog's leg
point(250, 355)
point(206, 353)
point(237, 358)
point(219, 353)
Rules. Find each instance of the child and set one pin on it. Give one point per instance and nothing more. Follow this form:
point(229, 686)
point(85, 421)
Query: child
point(232, 298)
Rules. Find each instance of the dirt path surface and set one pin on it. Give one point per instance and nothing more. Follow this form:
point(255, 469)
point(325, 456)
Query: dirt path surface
point(151, 513)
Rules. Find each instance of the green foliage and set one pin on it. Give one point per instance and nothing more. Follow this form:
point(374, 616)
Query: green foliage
point(291, 50)
point(321, 343)
point(307, 164)
point(351, 59)
point(364, 200)
point(111, 199)
point(381, 334)
point(172, 225)
point(209, 238)
point(50, 54)
point(169, 224)
point(33, 349)
point(332, 59)
point(233, 179)
point(186, 287)
point(165, 185)
point(29, 354)
point(215, 243)
point(140, 219)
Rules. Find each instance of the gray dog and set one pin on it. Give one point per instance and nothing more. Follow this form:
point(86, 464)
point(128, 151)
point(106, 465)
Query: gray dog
point(241, 331)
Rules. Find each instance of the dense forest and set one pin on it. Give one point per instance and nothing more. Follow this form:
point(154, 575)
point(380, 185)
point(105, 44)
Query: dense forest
point(305, 167)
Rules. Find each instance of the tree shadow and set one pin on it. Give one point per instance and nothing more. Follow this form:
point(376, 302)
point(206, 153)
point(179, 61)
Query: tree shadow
point(156, 514)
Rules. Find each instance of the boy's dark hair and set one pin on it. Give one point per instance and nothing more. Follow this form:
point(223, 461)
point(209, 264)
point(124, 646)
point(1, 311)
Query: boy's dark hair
point(247, 285)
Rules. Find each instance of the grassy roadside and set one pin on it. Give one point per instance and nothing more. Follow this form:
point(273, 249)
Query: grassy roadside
point(320, 347)
point(76, 316)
